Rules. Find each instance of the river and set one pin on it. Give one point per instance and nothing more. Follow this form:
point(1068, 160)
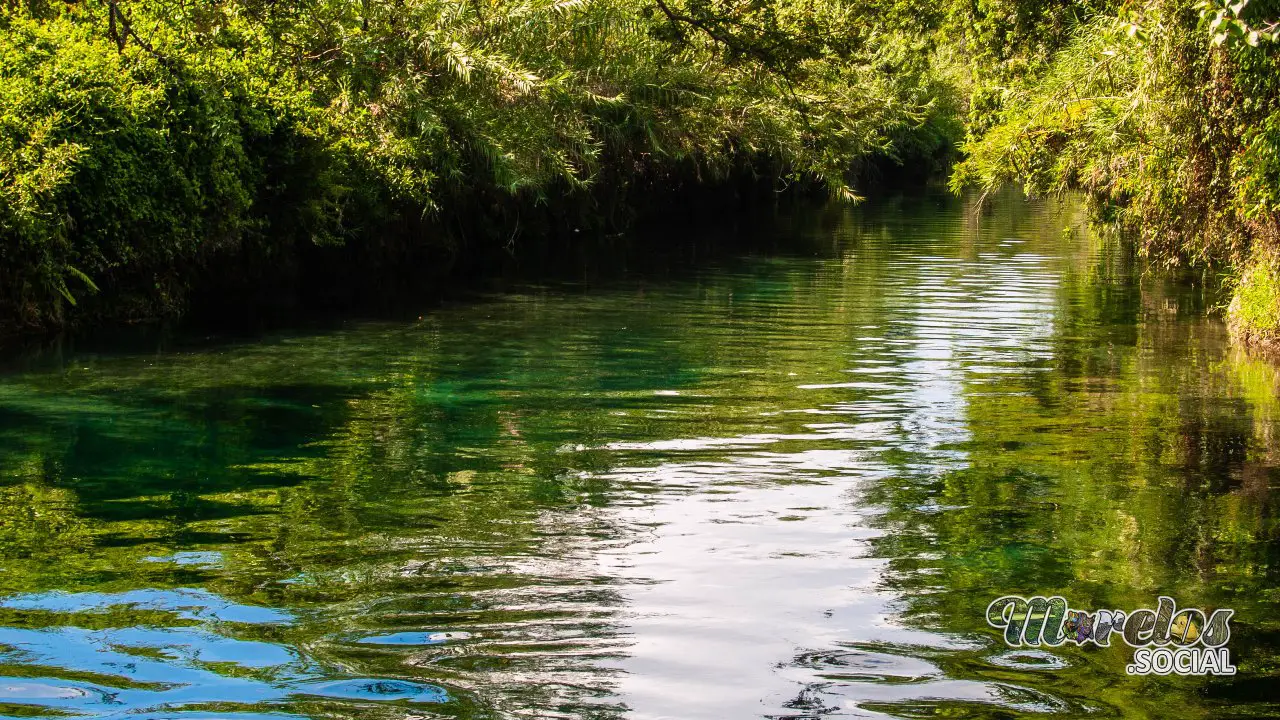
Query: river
point(779, 484)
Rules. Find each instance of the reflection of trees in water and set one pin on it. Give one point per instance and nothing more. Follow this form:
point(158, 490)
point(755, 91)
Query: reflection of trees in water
point(455, 475)
point(1137, 462)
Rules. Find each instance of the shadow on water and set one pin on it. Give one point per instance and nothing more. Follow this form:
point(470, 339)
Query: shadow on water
point(779, 484)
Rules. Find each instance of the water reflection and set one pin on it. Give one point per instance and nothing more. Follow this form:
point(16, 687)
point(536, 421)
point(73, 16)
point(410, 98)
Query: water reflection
point(133, 654)
point(785, 486)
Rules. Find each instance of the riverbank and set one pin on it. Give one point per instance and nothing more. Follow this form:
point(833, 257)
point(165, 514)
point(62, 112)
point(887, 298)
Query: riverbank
point(158, 161)
point(1167, 115)
point(153, 156)
point(1254, 312)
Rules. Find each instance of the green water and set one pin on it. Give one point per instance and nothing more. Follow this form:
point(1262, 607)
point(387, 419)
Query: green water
point(778, 485)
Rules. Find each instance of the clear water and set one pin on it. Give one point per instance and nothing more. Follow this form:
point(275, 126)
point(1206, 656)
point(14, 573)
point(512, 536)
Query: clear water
point(781, 485)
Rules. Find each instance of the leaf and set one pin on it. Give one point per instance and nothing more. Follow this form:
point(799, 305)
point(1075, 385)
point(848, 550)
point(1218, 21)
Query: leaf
point(459, 61)
point(83, 278)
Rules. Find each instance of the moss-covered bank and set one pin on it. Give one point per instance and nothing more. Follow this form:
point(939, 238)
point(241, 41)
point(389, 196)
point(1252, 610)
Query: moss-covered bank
point(1254, 313)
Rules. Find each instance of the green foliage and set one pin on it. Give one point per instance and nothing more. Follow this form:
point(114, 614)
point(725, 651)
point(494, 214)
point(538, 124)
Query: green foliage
point(118, 169)
point(143, 144)
point(1255, 308)
point(141, 139)
point(1167, 115)
point(1226, 22)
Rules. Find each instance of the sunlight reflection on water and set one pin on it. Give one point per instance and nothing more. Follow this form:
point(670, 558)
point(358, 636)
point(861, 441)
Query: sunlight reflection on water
point(132, 671)
point(779, 486)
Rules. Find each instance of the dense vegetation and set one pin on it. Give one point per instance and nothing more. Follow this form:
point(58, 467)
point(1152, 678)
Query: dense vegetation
point(142, 142)
point(1167, 114)
point(153, 148)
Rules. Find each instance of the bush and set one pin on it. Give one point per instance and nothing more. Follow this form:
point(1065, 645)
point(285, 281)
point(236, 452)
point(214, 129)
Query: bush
point(139, 140)
point(1167, 115)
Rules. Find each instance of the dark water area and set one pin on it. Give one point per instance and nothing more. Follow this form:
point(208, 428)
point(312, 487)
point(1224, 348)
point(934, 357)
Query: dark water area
point(780, 484)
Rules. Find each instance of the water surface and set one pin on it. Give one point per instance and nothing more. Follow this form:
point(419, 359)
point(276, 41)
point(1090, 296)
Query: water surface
point(779, 485)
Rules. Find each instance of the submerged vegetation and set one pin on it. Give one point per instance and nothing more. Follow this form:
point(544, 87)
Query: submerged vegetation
point(155, 149)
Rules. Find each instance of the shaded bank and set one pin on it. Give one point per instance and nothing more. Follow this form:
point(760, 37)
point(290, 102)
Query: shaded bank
point(151, 150)
point(155, 158)
point(490, 245)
